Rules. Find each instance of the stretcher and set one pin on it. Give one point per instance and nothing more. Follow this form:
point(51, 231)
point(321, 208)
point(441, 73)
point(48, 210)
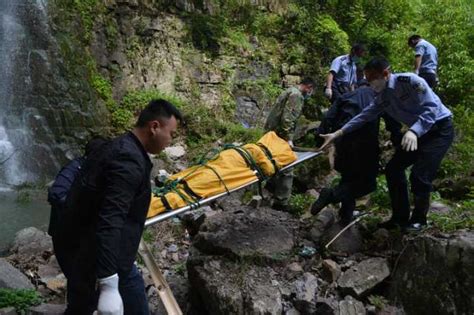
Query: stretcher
point(301, 157)
point(253, 176)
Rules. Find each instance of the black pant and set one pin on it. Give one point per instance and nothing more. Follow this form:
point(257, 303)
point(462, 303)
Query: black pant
point(430, 78)
point(432, 147)
point(349, 189)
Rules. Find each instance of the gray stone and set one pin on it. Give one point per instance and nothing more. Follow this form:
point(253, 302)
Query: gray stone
point(47, 309)
point(360, 279)
point(439, 207)
point(248, 233)
point(351, 306)
point(313, 193)
point(175, 152)
point(12, 278)
point(331, 270)
point(349, 242)
point(8, 311)
point(265, 300)
point(292, 311)
point(305, 290)
point(31, 242)
point(436, 275)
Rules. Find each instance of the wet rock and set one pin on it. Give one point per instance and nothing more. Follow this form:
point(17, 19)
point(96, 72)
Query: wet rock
point(349, 242)
point(304, 291)
point(331, 270)
point(363, 277)
point(192, 220)
point(266, 233)
point(47, 309)
point(436, 275)
point(350, 306)
point(31, 242)
point(175, 152)
point(12, 278)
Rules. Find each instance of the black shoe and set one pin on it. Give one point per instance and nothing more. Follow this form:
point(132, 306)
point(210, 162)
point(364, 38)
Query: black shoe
point(392, 224)
point(325, 198)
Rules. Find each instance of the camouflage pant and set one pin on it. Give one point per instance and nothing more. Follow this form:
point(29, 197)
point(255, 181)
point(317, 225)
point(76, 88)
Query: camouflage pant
point(283, 183)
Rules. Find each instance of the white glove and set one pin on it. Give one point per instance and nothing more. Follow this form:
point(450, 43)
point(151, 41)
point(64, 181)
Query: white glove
point(328, 93)
point(110, 301)
point(290, 143)
point(410, 141)
point(330, 137)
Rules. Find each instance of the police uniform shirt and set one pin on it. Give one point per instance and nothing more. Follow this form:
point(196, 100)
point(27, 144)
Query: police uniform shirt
point(429, 56)
point(344, 69)
point(409, 100)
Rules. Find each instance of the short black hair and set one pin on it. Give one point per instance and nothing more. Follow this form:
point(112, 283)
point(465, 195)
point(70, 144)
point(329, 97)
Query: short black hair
point(308, 81)
point(158, 109)
point(413, 38)
point(357, 47)
point(378, 64)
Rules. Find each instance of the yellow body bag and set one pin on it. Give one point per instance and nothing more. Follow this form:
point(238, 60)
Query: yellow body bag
point(231, 168)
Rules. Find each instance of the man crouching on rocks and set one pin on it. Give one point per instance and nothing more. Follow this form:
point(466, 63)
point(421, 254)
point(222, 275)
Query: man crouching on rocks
point(105, 214)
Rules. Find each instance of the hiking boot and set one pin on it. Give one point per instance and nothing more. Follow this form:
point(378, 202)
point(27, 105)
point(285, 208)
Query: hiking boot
point(325, 198)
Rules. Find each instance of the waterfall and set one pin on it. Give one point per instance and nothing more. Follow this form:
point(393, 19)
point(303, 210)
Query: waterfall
point(11, 32)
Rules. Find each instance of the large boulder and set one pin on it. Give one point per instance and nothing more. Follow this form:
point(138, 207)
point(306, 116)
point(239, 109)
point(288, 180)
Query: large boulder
point(248, 233)
point(12, 278)
point(436, 275)
point(31, 242)
point(360, 279)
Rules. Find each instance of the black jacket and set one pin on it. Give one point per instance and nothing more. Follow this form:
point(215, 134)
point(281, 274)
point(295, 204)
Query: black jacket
point(108, 203)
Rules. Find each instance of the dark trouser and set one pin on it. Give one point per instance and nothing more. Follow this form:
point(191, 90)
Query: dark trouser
point(82, 296)
point(430, 78)
point(432, 147)
point(283, 184)
point(349, 189)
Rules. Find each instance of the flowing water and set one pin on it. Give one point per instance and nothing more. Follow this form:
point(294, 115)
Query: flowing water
point(17, 209)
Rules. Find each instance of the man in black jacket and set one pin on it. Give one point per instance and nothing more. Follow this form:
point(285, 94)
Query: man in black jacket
point(105, 214)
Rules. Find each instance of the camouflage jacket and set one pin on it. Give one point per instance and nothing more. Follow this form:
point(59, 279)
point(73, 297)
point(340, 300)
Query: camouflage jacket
point(285, 113)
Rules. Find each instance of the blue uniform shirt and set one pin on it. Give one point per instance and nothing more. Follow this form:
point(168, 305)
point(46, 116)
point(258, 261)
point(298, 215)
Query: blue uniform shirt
point(409, 100)
point(429, 56)
point(345, 70)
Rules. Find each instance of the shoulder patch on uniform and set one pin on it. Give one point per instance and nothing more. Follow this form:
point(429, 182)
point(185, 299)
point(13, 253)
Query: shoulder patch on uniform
point(420, 88)
point(403, 78)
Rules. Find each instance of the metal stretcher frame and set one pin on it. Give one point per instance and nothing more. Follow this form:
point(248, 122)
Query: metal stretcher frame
point(301, 157)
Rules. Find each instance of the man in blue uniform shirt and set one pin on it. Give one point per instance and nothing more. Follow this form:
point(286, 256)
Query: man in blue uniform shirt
point(426, 59)
point(342, 76)
point(409, 100)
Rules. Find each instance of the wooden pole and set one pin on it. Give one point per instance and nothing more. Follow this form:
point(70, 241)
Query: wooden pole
point(161, 285)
